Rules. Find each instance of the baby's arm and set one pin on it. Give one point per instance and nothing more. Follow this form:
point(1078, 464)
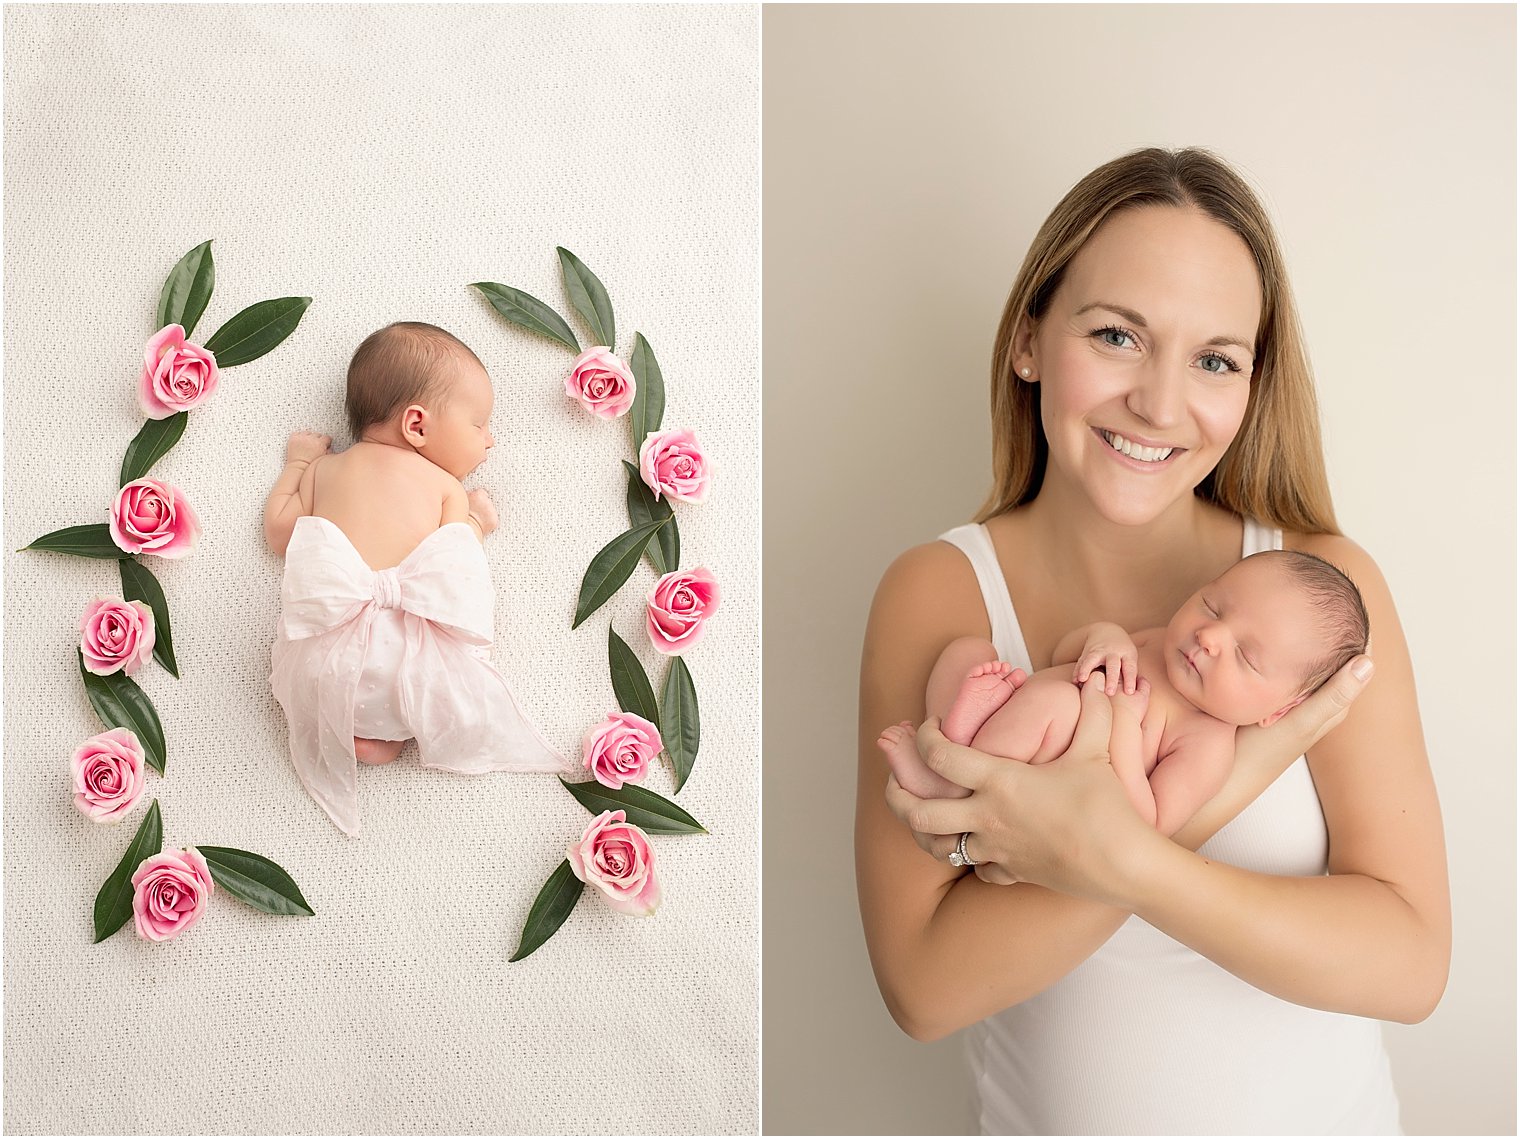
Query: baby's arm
point(1102, 645)
point(474, 508)
point(1189, 775)
point(284, 505)
point(1126, 750)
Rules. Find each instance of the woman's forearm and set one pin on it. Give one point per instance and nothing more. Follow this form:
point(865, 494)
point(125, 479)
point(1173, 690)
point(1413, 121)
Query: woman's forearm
point(981, 949)
point(1340, 942)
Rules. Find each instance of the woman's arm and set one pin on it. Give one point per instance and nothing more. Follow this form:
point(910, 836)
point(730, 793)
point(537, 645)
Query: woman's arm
point(1374, 937)
point(1371, 938)
point(946, 948)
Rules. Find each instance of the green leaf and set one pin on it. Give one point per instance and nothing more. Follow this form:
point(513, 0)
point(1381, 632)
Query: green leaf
point(665, 551)
point(150, 445)
point(611, 567)
point(121, 704)
point(588, 297)
point(649, 392)
point(655, 813)
point(188, 290)
point(254, 879)
point(113, 905)
point(681, 725)
point(139, 584)
point(629, 683)
point(256, 330)
point(529, 312)
point(550, 909)
point(92, 541)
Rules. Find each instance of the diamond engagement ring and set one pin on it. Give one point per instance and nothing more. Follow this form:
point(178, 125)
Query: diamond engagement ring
point(958, 856)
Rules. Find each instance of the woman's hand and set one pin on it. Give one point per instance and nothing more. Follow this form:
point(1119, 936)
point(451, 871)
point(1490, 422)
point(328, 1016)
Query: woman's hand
point(1066, 825)
point(1263, 754)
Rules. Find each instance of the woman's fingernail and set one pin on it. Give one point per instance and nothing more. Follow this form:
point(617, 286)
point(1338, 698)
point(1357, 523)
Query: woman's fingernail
point(1362, 669)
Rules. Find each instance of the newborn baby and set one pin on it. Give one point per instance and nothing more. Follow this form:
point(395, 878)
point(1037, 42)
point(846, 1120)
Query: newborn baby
point(1245, 649)
point(386, 606)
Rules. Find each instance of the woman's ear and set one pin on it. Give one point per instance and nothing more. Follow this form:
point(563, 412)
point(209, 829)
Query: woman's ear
point(414, 425)
point(1271, 719)
point(1023, 351)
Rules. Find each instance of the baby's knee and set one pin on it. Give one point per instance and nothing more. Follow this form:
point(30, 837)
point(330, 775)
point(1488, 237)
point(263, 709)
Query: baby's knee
point(965, 653)
point(959, 657)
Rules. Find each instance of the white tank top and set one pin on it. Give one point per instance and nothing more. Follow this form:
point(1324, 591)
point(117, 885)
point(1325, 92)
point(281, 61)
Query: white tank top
point(1146, 1037)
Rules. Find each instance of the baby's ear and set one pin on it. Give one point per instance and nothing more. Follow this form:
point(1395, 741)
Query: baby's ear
point(414, 424)
point(1271, 719)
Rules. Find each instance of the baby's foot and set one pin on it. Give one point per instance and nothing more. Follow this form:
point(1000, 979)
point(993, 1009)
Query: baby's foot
point(376, 751)
point(985, 690)
point(900, 742)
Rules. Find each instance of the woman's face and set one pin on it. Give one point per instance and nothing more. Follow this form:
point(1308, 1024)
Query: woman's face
point(1145, 357)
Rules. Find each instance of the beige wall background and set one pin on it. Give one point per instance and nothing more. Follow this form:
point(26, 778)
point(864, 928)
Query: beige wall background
point(910, 154)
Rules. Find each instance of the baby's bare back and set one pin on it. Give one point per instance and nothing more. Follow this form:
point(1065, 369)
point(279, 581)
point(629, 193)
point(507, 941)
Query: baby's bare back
point(384, 499)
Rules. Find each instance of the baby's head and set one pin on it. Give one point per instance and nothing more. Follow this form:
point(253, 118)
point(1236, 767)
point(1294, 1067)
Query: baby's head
point(417, 384)
point(1263, 635)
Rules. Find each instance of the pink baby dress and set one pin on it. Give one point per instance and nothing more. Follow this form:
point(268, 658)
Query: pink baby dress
point(393, 654)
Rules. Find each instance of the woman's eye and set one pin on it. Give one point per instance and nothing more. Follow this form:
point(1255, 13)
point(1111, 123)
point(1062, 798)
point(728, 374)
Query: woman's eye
point(1225, 364)
point(1114, 337)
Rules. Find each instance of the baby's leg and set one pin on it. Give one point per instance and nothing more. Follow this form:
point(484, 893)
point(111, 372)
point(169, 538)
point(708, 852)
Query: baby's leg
point(916, 777)
point(967, 684)
point(377, 751)
point(1037, 722)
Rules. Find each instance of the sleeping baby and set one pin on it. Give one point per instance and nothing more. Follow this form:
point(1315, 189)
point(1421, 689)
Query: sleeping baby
point(386, 605)
point(1244, 649)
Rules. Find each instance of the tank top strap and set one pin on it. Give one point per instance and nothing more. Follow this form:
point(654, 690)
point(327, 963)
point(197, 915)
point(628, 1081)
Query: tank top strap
point(1258, 537)
point(973, 540)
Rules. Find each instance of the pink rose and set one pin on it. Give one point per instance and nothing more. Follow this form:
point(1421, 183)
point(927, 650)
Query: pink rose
point(678, 608)
point(616, 858)
point(672, 463)
point(108, 775)
point(150, 517)
point(618, 750)
point(602, 383)
point(115, 635)
point(170, 893)
point(176, 376)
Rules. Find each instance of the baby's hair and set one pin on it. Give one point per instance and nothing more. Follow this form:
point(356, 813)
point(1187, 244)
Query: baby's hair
point(401, 364)
point(1339, 603)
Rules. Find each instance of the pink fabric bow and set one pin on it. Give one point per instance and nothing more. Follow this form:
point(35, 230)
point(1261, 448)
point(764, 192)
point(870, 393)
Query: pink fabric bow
point(459, 708)
point(334, 584)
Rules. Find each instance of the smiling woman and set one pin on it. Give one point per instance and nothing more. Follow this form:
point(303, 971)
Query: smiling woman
point(1154, 422)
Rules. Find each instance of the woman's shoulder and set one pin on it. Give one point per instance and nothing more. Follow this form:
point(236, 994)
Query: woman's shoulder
point(932, 586)
point(1337, 549)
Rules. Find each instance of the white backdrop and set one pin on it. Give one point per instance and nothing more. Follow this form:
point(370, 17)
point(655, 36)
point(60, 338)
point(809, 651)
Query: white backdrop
point(377, 159)
point(911, 153)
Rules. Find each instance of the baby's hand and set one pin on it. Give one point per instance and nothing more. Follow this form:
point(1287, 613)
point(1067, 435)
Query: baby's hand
point(304, 446)
point(482, 511)
point(1110, 648)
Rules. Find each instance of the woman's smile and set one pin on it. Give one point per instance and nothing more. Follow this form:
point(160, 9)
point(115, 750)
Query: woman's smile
point(1136, 451)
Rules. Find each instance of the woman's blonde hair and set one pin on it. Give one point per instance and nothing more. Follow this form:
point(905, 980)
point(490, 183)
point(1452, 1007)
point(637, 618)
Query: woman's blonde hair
point(1274, 470)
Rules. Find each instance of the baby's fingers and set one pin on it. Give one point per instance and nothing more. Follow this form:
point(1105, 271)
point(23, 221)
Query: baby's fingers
point(1131, 669)
point(1113, 673)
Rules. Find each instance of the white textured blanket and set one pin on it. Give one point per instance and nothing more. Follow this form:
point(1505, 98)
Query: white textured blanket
point(377, 159)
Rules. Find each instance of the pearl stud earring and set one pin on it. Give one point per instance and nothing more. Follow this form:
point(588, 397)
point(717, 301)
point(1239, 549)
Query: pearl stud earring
point(1024, 372)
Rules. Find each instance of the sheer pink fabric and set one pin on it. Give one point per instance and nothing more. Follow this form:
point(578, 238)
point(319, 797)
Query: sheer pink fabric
point(443, 689)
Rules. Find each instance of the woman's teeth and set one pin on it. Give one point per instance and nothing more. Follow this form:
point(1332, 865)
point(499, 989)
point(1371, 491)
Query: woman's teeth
point(1134, 450)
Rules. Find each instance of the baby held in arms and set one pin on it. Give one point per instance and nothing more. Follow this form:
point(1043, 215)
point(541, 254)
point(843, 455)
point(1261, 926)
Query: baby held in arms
point(1244, 649)
point(387, 608)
